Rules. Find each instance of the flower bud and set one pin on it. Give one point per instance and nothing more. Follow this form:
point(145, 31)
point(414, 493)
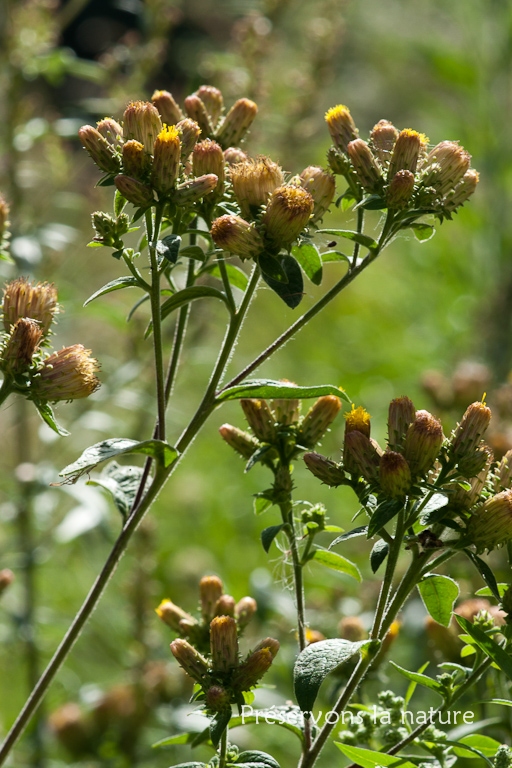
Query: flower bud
point(194, 664)
point(365, 165)
point(321, 185)
point(236, 123)
point(242, 442)
point(189, 133)
point(169, 111)
point(101, 151)
point(134, 159)
point(142, 122)
point(341, 126)
point(213, 102)
point(37, 301)
point(171, 614)
point(4, 216)
point(324, 469)
point(193, 190)
point(225, 606)
point(244, 611)
point(491, 524)
point(402, 414)
point(288, 211)
point(66, 375)
point(110, 230)
point(286, 410)
point(472, 463)
point(382, 140)
point(358, 419)
point(400, 189)
point(406, 152)
point(351, 628)
point(6, 579)
point(111, 131)
point(462, 191)
point(394, 475)
point(224, 643)
point(234, 155)
point(166, 159)
point(422, 443)
point(235, 235)
point(196, 111)
point(360, 456)
point(218, 699)
point(459, 497)
point(23, 343)
point(134, 191)
point(340, 163)
point(256, 664)
point(504, 478)
point(449, 162)
point(253, 182)
point(260, 419)
point(70, 728)
point(210, 590)
point(318, 420)
point(471, 429)
point(208, 157)
point(503, 757)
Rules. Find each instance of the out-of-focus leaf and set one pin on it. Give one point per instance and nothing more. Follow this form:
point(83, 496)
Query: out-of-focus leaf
point(122, 482)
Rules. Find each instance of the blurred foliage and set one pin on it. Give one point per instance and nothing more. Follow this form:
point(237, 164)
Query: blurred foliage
point(440, 68)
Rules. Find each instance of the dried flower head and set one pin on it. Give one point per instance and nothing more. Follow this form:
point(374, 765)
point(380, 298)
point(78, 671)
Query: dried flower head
point(253, 183)
point(235, 235)
point(37, 301)
point(23, 343)
point(289, 209)
point(66, 375)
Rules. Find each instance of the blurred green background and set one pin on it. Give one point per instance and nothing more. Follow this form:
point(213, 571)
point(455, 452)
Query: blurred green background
point(442, 69)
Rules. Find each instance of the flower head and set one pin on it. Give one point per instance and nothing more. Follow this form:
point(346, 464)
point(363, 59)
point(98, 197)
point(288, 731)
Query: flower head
point(101, 151)
point(235, 235)
point(236, 123)
point(341, 126)
point(166, 159)
point(422, 442)
point(288, 211)
point(196, 111)
point(491, 524)
point(321, 186)
point(141, 121)
point(21, 346)
point(170, 113)
point(37, 301)
point(66, 375)
point(253, 183)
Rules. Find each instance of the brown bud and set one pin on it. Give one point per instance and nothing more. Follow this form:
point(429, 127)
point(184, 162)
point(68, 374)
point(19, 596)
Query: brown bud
point(195, 189)
point(101, 151)
point(134, 159)
point(256, 664)
point(445, 166)
point(490, 525)
point(286, 410)
point(166, 160)
point(318, 420)
point(170, 112)
point(321, 186)
point(423, 441)
point(360, 456)
point(142, 122)
point(242, 442)
point(194, 664)
point(21, 346)
point(406, 152)
point(218, 699)
point(400, 189)
point(213, 102)
point(366, 167)
point(111, 131)
point(260, 419)
point(402, 414)
point(225, 606)
point(237, 236)
point(244, 611)
point(196, 111)
point(134, 191)
point(210, 590)
point(324, 469)
point(462, 191)
point(189, 132)
point(172, 615)
point(224, 643)
point(235, 155)
point(382, 140)
point(471, 429)
point(208, 157)
point(394, 475)
point(236, 123)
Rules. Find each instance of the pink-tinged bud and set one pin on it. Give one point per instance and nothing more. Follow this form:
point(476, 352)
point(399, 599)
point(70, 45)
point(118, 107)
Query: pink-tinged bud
point(189, 132)
point(341, 127)
point(406, 152)
point(169, 111)
point(171, 614)
point(244, 611)
point(195, 189)
point(210, 590)
point(260, 419)
point(37, 301)
point(196, 111)
point(213, 102)
point(225, 606)
point(286, 410)
point(166, 160)
point(134, 191)
point(253, 183)
point(194, 664)
point(4, 216)
point(382, 141)
point(235, 235)
point(366, 167)
point(289, 210)
point(142, 122)
point(23, 343)
point(101, 151)
point(490, 525)
point(462, 191)
point(218, 699)
point(361, 456)
point(242, 442)
point(111, 131)
point(236, 123)
point(471, 429)
point(394, 475)
point(224, 644)
point(352, 628)
point(318, 419)
point(423, 442)
point(445, 166)
point(234, 155)
point(208, 157)
point(400, 190)
point(402, 414)
point(324, 469)
point(256, 664)
point(504, 478)
point(6, 579)
point(321, 185)
point(134, 159)
point(66, 375)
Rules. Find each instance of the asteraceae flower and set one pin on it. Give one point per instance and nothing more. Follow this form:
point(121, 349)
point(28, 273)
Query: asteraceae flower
point(341, 126)
point(471, 429)
point(194, 664)
point(171, 614)
point(235, 235)
point(256, 664)
point(102, 151)
point(142, 122)
point(196, 110)
point(66, 375)
point(166, 159)
point(365, 165)
point(224, 643)
point(37, 301)
point(318, 419)
point(236, 123)
point(213, 101)
point(394, 475)
point(406, 152)
point(21, 346)
point(254, 181)
point(321, 186)
point(288, 211)
point(170, 112)
point(422, 442)
point(210, 590)
point(491, 524)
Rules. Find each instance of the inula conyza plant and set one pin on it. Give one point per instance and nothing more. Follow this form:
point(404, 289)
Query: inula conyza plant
point(203, 208)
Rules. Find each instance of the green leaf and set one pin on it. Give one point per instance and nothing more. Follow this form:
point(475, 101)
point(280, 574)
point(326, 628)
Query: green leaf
point(309, 259)
point(254, 759)
point(439, 594)
point(272, 267)
point(423, 232)
point(269, 388)
point(107, 449)
point(378, 554)
point(268, 535)
point(385, 512)
point(236, 276)
point(412, 686)
point(485, 572)
point(258, 455)
point(434, 510)
point(137, 304)
point(169, 248)
point(180, 738)
point(314, 664)
point(487, 592)
point(290, 291)
point(360, 531)
point(193, 252)
point(261, 503)
point(347, 201)
point(502, 702)
point(356, 237)
point(328, 256)
point(488, 646)
point(336, 562)
point(476, 745)
point(46, 413)
point(218, 725)
point(122, 482)
point(373, 203)
point(420, 679)
point(367, 758)
point(114, 285)
point(281, 716)
point(119, 203)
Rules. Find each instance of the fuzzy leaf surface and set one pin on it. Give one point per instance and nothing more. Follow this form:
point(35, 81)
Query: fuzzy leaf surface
point(314, 664)
point(108, 449)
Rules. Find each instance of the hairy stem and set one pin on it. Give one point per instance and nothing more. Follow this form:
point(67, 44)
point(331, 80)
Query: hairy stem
point(152, 231)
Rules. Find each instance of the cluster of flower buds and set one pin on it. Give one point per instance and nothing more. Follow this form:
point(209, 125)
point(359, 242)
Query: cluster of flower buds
point(208, 649)
point(397, 168)
point(28, 312)
point(278, 426)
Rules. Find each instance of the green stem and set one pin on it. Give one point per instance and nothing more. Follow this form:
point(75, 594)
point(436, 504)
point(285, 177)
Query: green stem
point(387, 583)
point(152, 231)
point(223, 748)
point(140, 280)
point(226, 283)
point(6, 388)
